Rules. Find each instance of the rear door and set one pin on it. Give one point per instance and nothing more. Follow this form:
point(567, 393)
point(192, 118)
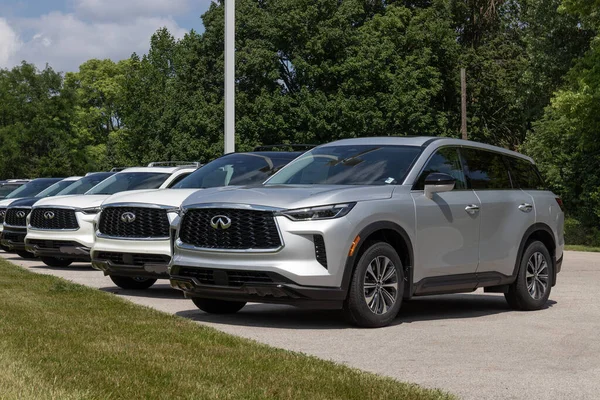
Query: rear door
point(448, 224)
point(506, 211)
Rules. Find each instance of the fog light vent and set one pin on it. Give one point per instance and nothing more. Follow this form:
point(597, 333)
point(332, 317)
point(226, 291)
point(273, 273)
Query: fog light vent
point(320, 252)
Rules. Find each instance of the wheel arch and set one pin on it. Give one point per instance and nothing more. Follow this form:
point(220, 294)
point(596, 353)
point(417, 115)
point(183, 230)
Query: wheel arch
point(391, 233)
point(543, 233)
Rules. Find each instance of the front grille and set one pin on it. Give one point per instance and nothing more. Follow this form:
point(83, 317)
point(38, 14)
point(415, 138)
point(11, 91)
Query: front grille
point(52, 244)
point(16, 216)
point(132, 259)
point(225, 277)
point(320, 252)
point(53, 218)
point(147, 222)
point(2, 214)
point(249, 229)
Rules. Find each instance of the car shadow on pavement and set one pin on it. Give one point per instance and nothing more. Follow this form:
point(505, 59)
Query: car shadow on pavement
point(155, 292)
point(418, 309)
point(73, 267)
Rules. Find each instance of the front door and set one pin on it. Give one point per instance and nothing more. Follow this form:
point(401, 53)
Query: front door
point(447, 225)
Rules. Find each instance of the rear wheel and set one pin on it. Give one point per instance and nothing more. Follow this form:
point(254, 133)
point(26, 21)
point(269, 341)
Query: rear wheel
point(532, 288)
point(26, 255)
point(377, 287)
point(56, 262)
point(213, 306)
point(135, 283)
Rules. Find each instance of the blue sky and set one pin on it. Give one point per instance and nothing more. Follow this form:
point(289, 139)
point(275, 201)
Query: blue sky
point(65, 33)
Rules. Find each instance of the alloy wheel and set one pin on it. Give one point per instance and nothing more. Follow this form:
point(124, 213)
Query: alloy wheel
point(537, 275)
point(381, 285)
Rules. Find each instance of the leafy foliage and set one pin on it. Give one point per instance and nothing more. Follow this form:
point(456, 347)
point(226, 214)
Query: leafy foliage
point(312, 71)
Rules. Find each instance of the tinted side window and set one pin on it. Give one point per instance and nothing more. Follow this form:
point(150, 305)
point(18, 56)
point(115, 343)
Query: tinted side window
point(525, 175)
point(447, 161)
point(487, 170)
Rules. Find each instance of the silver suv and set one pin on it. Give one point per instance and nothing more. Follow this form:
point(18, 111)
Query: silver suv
point(362, 224)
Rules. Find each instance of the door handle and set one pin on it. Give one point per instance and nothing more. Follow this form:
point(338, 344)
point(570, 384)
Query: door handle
point(472, 209)
point(526, 207)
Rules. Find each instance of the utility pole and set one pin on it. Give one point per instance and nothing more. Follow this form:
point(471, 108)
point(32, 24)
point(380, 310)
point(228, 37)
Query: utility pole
point(229, 76)
point(463, 102)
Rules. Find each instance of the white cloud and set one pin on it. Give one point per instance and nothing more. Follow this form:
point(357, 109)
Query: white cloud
point(118, 10)
point(64, 41)
point(9, 43)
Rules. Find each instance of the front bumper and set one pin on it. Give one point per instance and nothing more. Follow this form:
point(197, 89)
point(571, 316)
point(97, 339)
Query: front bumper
point(13, 238)
point(133, 266)
point(58, 249)
point(69, 244)
point(257, 287)
point(132, 257)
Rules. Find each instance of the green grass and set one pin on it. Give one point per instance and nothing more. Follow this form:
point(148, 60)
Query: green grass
point(59, 340)
point(574, 247)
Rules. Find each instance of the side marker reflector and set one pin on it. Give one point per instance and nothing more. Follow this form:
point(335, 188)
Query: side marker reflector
point(353, 246)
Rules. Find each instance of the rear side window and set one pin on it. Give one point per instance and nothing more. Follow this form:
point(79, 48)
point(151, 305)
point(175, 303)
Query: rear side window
point(486, 170)
point(447, 161)
point(525, 175)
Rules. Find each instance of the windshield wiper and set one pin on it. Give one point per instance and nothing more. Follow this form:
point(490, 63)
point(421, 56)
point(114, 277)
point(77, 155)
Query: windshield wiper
point(352, 160)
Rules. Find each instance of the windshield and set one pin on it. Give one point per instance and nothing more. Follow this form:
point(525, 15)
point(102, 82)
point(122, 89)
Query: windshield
point(236, 169)
point(32, 188)
point(349, 165)
point(130, 181)
point(54, 189)
point(7, 189)
point(85, 184)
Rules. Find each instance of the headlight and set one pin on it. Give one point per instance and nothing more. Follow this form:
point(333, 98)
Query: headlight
point(317, 213)
point(91, 210)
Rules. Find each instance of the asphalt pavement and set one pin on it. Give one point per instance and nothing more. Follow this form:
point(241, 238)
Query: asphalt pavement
point(472, 345)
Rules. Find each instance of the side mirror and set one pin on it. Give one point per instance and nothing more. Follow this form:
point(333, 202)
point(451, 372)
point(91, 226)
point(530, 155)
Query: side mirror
point(437, 183)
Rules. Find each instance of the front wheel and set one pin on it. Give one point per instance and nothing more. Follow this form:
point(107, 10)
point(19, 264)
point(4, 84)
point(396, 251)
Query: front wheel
point(377, 287)
point(532, 288)
point(213, 306)
point(135, 283)
point(56, 262)
point(26, 255)
point(5, 248)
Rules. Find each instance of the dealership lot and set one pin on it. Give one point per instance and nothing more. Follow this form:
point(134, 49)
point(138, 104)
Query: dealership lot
point(472, 345)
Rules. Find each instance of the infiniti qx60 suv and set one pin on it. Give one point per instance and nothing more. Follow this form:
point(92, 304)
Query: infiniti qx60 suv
point(362, 224)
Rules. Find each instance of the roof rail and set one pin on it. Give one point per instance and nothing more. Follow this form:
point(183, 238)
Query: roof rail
point(118, 169)
point(175, 164)
point(271, 147)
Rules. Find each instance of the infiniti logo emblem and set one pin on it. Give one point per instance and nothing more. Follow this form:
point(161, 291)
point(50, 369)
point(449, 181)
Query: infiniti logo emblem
point(21, 214)
point(48, 215)
point(220, 222)
point(128, 217)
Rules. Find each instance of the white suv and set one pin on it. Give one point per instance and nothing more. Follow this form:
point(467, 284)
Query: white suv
point(362, 224)
point(60, 229)
point(132, 237)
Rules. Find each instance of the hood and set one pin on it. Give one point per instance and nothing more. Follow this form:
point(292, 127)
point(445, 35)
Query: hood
point(290, 196)
point(25, 202)
point(82, 201)
point(6, 202)
point(162, 197)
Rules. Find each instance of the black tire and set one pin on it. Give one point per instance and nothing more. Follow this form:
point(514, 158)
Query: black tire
point(375, 314)
point(213, 306)
point(5, 248)
point(137, 283)
point(528, 292)
point(25, 254)
point(56, 262)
